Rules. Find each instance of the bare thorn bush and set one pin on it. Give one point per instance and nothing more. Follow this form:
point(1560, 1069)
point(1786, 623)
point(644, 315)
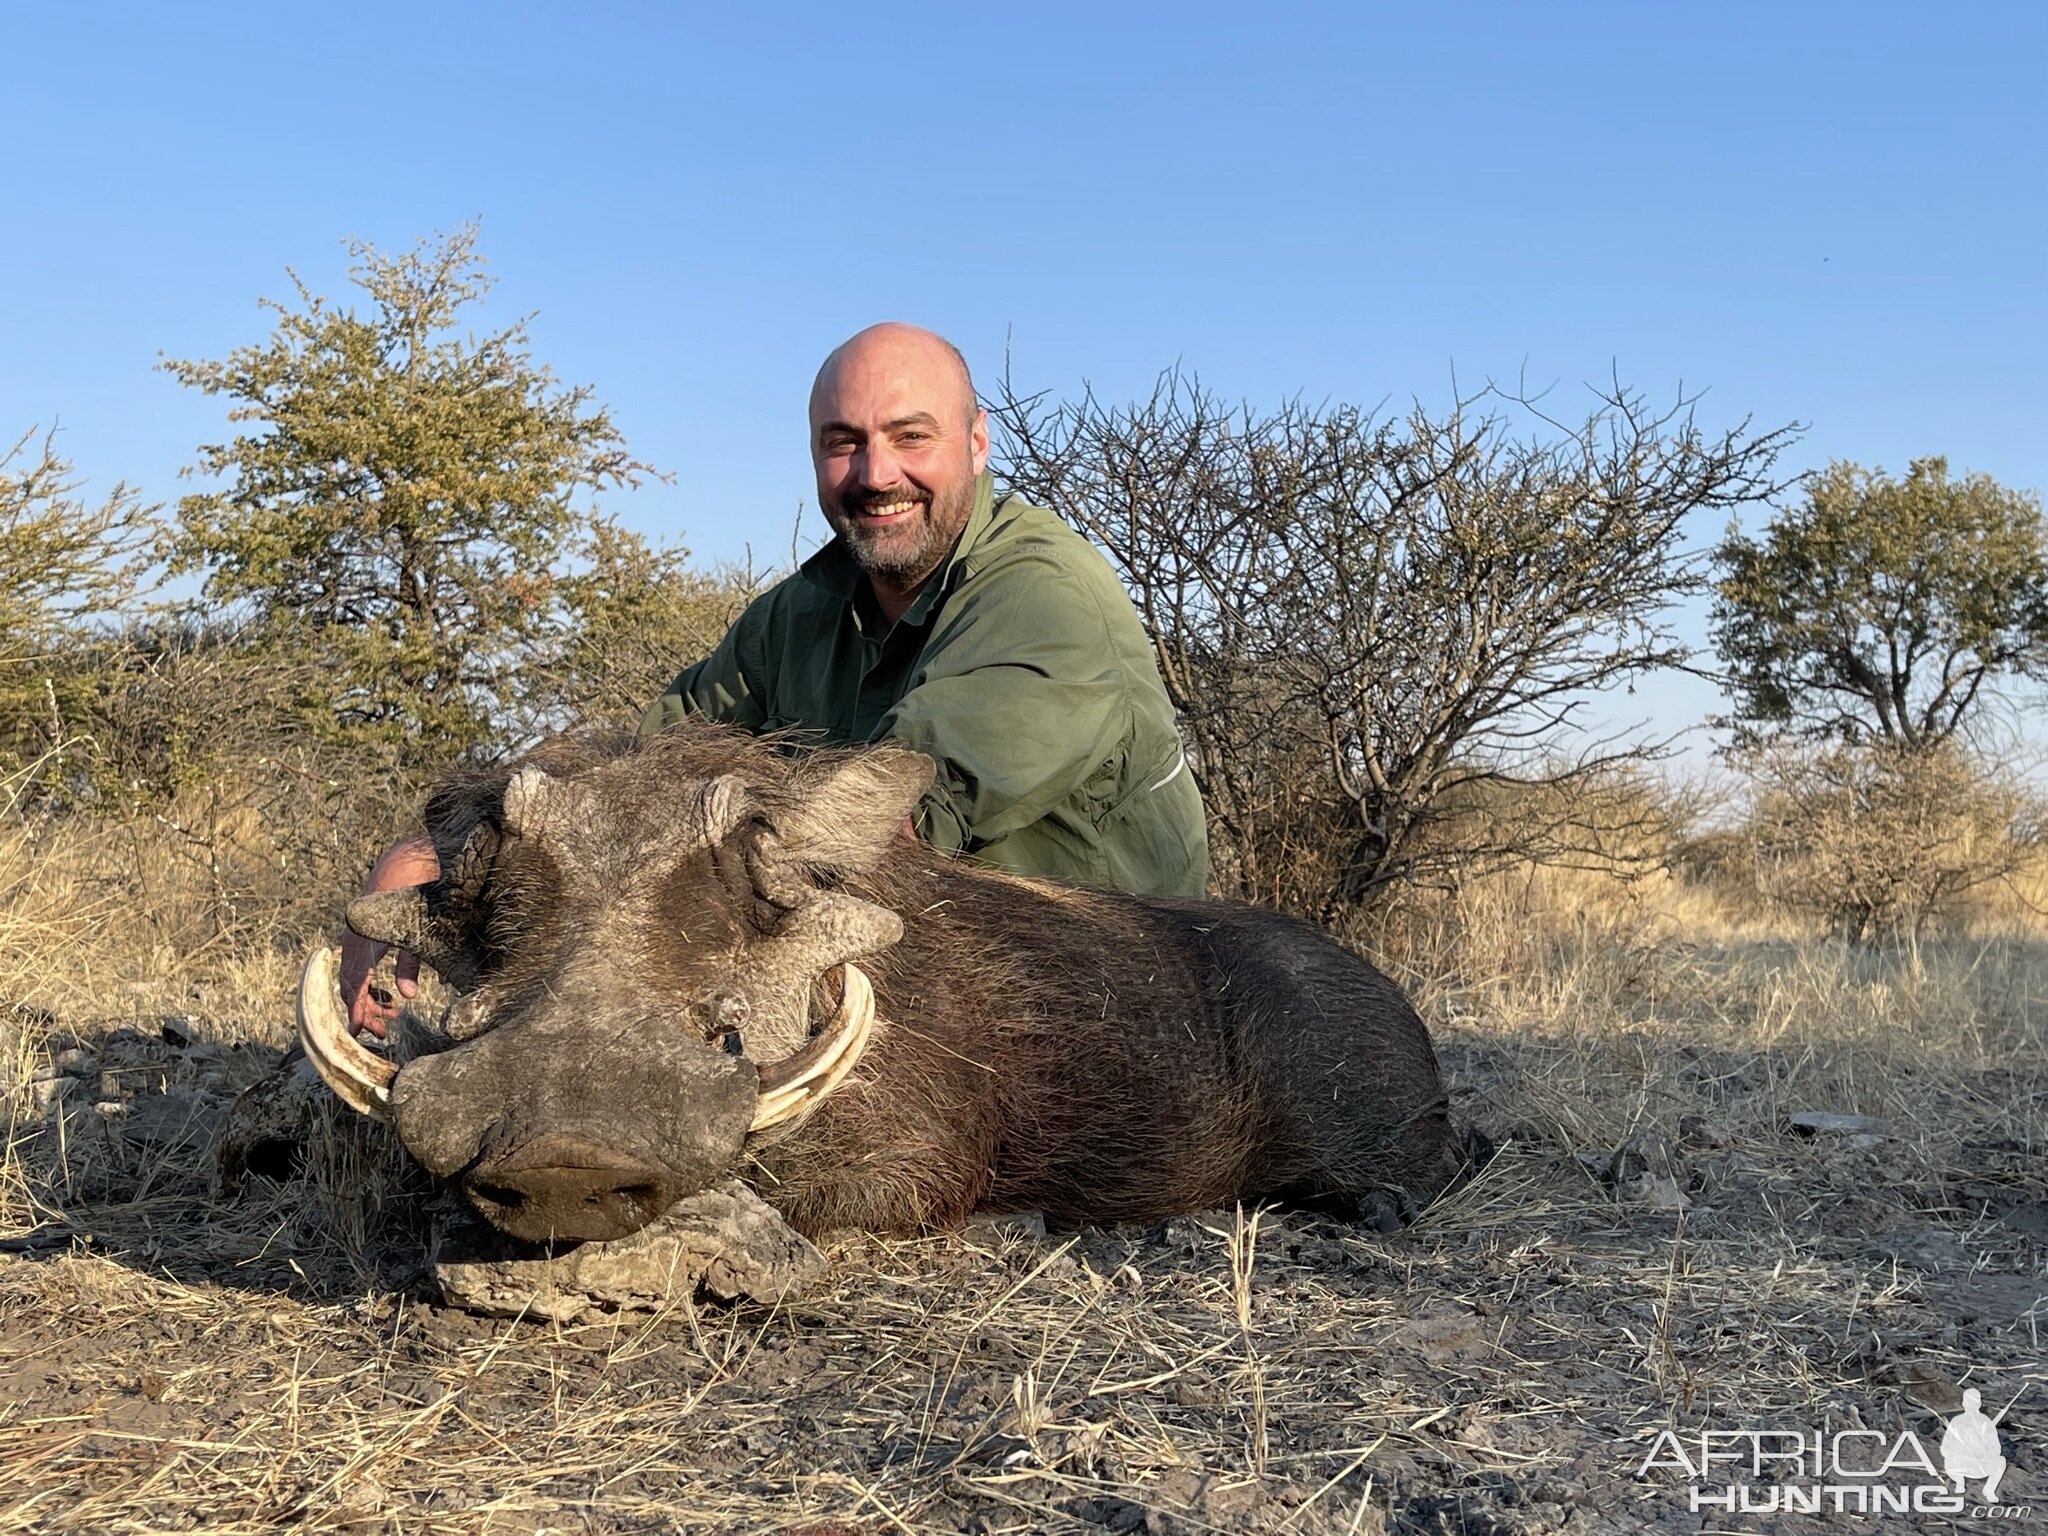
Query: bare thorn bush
point(1367, 623)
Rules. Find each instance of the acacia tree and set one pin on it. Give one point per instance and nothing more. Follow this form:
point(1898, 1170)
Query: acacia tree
point(1368, 626)
point(1883, 609)
point(401, 495)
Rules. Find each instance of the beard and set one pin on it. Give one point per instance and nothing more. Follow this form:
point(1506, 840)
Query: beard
point(904, 552)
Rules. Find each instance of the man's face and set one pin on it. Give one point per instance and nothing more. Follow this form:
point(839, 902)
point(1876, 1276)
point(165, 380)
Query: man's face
point(897, 448)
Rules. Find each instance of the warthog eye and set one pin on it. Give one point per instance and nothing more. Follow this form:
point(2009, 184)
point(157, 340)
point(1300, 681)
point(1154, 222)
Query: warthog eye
point(726, 1012)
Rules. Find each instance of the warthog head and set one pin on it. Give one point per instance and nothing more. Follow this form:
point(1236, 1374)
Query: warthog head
point(656, 962)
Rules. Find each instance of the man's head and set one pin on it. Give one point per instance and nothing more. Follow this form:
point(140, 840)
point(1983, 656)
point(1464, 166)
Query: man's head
point(1972, 1399)
point(898, 442)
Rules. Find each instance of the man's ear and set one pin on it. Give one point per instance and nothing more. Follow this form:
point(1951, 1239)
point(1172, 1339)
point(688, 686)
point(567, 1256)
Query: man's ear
point(977, 439)
point(847, 812)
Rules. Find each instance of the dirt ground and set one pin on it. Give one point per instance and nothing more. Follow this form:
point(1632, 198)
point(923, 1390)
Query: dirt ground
point(1657, 1245)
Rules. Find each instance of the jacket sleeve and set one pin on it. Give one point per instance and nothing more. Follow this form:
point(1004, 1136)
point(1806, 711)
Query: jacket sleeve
point(727, 685)
point(1020, 700)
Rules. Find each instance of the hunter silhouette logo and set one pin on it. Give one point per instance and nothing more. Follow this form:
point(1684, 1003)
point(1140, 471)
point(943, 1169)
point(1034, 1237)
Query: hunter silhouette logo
point(1970, 1448)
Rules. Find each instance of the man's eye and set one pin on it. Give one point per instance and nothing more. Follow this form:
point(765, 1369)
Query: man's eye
point(913, 437)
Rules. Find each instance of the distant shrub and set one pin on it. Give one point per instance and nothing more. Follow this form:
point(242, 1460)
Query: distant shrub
point(1881, 840)
point(63, 561)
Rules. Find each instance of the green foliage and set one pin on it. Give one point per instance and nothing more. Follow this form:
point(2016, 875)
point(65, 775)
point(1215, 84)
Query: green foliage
point(192, 739)
point(403, 494)
point(62, 563)
point(1881, 607)
point(632, 613)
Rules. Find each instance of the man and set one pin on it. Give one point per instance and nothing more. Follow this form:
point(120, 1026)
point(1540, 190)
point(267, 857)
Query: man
point(979, 630)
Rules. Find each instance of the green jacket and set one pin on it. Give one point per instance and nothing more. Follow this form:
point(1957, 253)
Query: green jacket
point(1021, 668)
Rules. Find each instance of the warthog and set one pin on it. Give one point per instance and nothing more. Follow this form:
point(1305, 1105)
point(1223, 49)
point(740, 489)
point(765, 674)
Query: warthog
point(665, 957)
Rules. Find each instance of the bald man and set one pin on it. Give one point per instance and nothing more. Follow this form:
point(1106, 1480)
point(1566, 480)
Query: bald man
point(974, 627)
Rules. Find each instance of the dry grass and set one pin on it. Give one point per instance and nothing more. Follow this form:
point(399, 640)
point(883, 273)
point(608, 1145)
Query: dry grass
point(1653, 1246)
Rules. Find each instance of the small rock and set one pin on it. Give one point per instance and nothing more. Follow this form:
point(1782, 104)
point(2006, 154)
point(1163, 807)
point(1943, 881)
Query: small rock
point(1186, 1393)
point(1643, 1170)
point(49, 1092)
point(1185, 1235)
point(1816, 1122)
point(1443, 1332)
point(1660, 1192)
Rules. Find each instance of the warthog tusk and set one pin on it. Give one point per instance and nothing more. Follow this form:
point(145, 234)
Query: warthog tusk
point(790, 1087)
point(357, 1074)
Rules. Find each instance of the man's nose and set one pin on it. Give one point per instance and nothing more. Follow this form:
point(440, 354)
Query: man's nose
point(879, 467)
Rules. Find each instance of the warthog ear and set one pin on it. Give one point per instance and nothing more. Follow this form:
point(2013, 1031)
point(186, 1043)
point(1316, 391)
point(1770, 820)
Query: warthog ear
point(849, 808)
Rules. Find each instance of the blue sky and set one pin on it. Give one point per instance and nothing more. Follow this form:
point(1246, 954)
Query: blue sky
point(1830, 213)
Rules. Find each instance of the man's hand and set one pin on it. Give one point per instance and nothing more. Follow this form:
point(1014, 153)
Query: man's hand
point(408, 863)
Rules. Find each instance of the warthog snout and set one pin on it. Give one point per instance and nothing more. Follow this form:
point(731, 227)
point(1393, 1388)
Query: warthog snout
point(567, 1187)
point(554, 1130)
point(577, 1122)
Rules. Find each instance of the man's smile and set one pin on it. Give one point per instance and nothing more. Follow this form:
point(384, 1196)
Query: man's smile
point(886, 513)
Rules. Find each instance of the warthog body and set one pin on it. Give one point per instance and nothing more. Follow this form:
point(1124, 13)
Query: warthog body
point(643, 934)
